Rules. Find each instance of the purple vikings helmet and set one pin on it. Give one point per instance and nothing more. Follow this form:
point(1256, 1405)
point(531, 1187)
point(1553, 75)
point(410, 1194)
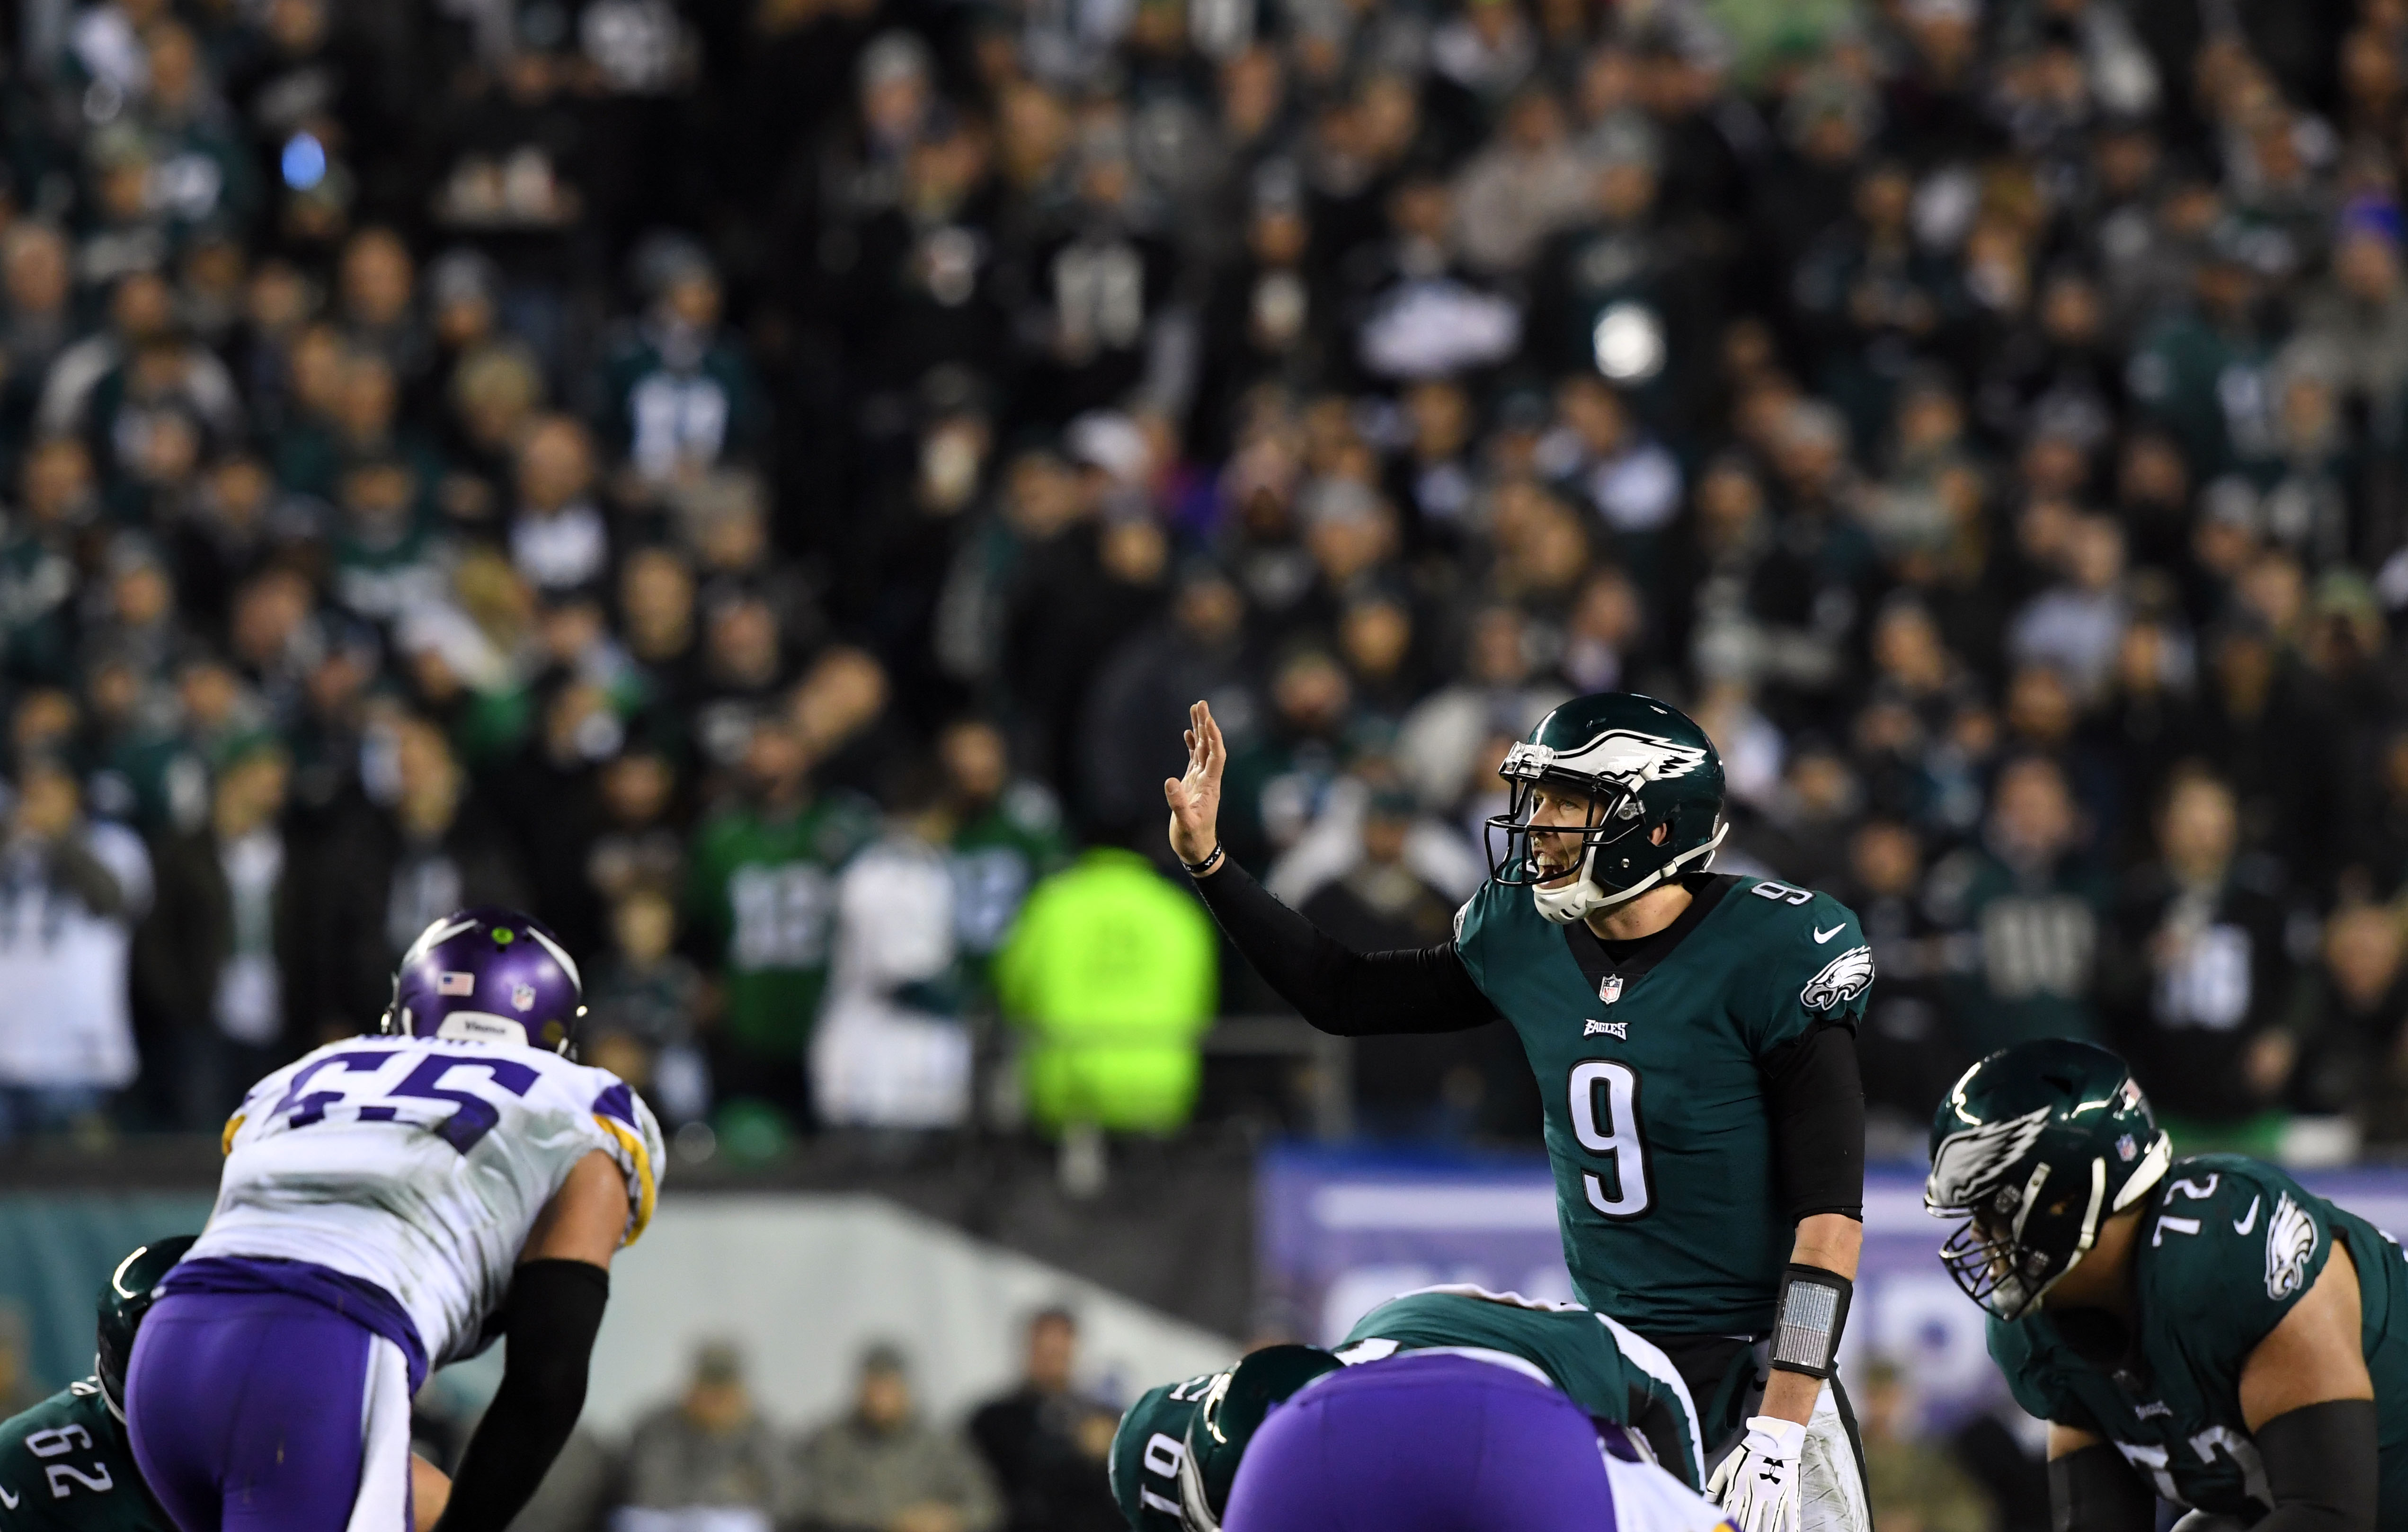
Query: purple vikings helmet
point(487, 976)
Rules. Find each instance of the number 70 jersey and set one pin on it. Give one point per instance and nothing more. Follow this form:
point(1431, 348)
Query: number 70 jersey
point(421, 1165)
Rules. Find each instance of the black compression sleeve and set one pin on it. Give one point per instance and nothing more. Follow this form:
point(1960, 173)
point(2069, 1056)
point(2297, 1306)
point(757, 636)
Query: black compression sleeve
point(1816, 1099)
point(2321, 1465)
point(551, 1313)
point(1424, 989)
point(2095, 1490)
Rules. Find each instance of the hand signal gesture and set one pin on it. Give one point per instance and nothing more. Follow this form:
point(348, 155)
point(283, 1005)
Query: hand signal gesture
point(1195, 798)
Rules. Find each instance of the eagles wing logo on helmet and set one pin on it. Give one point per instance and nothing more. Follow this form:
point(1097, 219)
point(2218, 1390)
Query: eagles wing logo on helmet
point(1967, 1162)
point(2290, 1241)
point(1625, 756)
point(1842, 980)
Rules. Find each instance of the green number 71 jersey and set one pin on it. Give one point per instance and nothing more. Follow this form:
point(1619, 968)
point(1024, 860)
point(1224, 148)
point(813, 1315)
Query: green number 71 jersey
point(65, 1467)
point(2227, 1248)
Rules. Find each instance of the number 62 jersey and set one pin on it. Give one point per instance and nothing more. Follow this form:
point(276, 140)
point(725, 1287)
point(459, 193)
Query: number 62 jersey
point(65, 1467)
point(419, 1166)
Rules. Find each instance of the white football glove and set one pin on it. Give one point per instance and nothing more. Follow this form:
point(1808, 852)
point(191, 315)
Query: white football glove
point(1757, 1484)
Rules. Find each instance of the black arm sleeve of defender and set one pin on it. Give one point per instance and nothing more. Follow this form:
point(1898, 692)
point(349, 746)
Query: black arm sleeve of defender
point(2095, 1490)
point(2321, 1465)
point(1816, 1099)
point(552, 1311)
point(1424, 989)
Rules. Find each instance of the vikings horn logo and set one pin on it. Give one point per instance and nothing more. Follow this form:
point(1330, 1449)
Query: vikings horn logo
point(1969, 1162)
point(1843, 979)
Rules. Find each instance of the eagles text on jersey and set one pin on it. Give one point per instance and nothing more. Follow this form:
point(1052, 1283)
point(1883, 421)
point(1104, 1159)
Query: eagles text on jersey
point(1651, 1071)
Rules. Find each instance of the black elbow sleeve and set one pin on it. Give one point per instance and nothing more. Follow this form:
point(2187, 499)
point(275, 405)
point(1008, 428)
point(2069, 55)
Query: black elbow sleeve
point(1424, 989)
point(1815, 1090)
point(2322, 1466)
point(2095, 1490)
point(552, 1313)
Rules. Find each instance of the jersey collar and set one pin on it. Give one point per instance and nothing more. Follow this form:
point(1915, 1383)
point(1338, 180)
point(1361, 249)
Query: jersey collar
point(1706, 892)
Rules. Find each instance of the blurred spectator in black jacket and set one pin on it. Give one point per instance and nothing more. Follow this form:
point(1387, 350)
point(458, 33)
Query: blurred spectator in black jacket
point(2199, 978)
point(1039, 1438)
point(210, 960)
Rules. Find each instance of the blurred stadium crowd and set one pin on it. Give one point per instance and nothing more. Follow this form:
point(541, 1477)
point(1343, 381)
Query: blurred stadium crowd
point(759, 481)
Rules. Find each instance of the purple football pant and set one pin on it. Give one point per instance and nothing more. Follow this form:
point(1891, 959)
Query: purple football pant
point(1424, 1443)
point(252, 1412)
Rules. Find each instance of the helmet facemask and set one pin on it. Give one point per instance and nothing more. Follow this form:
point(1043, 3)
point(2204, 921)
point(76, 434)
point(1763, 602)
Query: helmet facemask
point(2018, 1240)
point(1615, 814)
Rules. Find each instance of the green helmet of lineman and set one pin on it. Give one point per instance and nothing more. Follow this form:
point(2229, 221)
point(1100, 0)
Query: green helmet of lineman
point(2033, 1148)
point(125, 1298)
point(1642, 764)
point(1232, 1413)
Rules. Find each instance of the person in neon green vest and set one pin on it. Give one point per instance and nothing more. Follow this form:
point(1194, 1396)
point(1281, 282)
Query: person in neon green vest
point(1111, 974)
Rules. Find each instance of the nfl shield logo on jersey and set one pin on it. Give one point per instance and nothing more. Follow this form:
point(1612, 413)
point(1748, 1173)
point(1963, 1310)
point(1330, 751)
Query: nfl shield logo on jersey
point(522, 995)
point(1608, 989)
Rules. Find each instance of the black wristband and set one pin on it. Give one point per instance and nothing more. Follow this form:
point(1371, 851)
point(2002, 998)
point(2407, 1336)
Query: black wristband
point(1808, 1319)
point(1198, 869)
point(2095, 1490)
point(2322, 1466)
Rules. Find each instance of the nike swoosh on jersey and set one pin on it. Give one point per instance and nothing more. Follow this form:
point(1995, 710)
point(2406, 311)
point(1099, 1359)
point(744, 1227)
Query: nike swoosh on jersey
point(1821, 937)
point(2249, 1219)
point(7, 1501)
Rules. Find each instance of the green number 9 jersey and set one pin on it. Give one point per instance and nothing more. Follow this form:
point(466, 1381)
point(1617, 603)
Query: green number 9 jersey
point(1651, 1069)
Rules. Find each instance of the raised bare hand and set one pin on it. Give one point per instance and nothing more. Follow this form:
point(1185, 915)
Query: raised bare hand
point(1195, 798)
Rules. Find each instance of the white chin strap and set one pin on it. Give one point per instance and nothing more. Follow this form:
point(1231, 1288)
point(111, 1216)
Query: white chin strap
point(1581, 897)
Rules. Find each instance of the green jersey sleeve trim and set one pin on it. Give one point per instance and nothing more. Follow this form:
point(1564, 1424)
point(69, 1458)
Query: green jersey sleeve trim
point(1815, 966)
point(2232, 1246)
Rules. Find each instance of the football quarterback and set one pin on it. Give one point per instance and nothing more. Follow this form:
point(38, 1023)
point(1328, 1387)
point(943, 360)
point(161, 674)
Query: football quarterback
point(1498, 1425)
point(390, 1204)
point(2201, 1331)
point(1694, 1039)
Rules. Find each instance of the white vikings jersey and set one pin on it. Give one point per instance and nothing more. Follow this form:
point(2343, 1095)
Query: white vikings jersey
point(420, 1165)
point(1648, 1499)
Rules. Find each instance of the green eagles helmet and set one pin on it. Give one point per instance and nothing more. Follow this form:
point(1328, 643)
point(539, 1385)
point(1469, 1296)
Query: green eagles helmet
point(125, 1298)
point(2033, 1147)
point(1228, 1418)
point(1640, 763)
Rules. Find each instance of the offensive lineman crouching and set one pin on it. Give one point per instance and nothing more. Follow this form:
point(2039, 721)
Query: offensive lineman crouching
point(65, 1465)
point(1694, 1039)
point(2203, 1331)
point(1459, 1408)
